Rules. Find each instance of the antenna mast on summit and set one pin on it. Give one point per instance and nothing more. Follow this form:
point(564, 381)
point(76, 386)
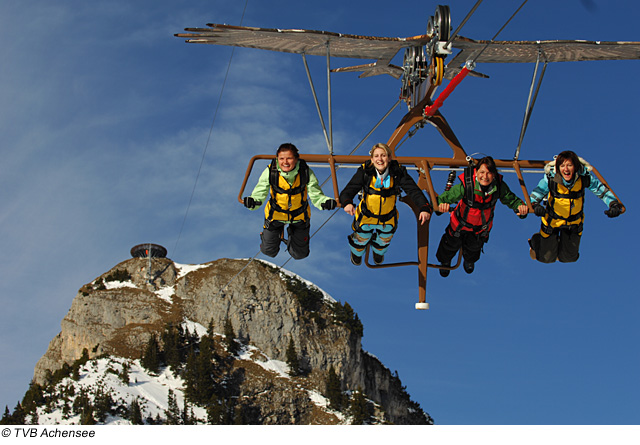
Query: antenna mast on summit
point(148, 250)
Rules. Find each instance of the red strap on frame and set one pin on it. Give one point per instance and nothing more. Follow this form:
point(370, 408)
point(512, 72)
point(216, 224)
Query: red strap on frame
point(431, 109)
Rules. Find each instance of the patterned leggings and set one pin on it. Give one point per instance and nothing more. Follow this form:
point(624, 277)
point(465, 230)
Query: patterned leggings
point(379, 235)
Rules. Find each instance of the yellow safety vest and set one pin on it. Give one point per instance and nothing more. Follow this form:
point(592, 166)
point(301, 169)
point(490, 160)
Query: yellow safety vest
point(378, 205)
point(288, 202)
point(565, 205)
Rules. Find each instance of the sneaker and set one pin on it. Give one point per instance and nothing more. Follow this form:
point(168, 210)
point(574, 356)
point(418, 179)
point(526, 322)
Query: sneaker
point(445, 272)
point(532, 253)
point(355, 259)
point(378, 259)
point(468, 266)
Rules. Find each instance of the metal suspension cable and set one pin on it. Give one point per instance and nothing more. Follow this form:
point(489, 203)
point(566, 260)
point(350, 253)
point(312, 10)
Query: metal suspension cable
point(375, 127)
point(204, 152)
point(239, 272)
point(314, 233)
point(530, 103)
point(455, 33)
point(501, 29)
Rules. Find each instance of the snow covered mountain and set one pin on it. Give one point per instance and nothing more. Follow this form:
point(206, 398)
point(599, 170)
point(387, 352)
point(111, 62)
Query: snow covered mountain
point(231, 341)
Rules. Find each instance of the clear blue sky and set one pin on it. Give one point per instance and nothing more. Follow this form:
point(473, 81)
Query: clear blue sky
point(104, 118)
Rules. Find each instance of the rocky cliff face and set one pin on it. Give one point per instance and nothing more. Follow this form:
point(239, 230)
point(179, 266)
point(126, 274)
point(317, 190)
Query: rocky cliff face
point(117, 313)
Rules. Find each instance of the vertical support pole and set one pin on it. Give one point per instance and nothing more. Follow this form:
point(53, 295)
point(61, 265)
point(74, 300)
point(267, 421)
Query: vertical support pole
point(334, 179)
point(516, 166)
point(426, 171)
point(329, 99)
point(423, 255)
point(149, 263)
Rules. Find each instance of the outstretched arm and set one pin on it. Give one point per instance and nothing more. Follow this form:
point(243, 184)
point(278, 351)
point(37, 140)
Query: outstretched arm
point(316, 195)
point(352, 188)
point(260, 192)
point(508, 198)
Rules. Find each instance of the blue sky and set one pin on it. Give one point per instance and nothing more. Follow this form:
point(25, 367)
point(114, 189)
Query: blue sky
point(105, 116)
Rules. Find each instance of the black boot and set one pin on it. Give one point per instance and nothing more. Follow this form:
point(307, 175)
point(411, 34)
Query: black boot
point(378, 259)
point(355, 259)
point(445, 272)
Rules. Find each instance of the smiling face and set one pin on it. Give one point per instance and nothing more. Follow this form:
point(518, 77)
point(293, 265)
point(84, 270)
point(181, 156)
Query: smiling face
point(287, 160)
point(567, 170)
point(380, 159)
point(484, 176)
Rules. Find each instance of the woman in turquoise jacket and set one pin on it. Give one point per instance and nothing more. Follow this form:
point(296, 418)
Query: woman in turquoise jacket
point(563, 186)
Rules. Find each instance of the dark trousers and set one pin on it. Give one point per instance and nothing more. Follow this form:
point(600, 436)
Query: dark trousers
point(561, 245)
point(297, 238)
point(450, 244)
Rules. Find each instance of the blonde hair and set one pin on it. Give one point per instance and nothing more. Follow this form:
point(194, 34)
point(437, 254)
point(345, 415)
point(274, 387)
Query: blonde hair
point(385, 147)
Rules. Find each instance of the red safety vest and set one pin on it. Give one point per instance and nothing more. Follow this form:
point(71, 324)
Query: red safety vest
point(474, 212)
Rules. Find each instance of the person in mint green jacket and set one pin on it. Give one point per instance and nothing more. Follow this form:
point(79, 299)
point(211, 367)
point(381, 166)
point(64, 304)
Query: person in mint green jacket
point(287, 185)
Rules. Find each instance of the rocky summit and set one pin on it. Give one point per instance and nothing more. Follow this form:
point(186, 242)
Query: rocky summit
point(274, 316)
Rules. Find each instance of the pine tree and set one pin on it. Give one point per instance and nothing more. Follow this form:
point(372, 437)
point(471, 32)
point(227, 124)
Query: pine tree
point(173, 340)
point(124, 374)
point(103, 404)
point(334, 390)
point(6, 417)
point(134, 413)
point(358, 409)
point(292, 359)
point(18, 415)
point(238, 416)
point(172, 412)
point(199, 373)
point(187, 419)
point(75, 372)
point(151, 356)
point(229, 337)
point(35, 420)
point(214, 411)
point(191, 377)
point(87, 416)
point(33, 398)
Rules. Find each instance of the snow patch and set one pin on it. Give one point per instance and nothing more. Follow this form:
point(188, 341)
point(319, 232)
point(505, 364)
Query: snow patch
point(184, 269)
point(165, 293)
point(277, 366)
point(194, 327)
point(119, 284)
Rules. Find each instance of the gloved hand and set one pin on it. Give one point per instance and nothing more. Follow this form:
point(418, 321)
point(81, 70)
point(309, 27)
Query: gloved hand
point(539, 210)
point(329, 204)
point(615, 209)
point(250, 203)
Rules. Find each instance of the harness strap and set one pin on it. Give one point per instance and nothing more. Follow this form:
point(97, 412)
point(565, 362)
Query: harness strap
point(367, 190)
point(364, 211)
point(554, 194)
point(274, 182)
point(469, 201)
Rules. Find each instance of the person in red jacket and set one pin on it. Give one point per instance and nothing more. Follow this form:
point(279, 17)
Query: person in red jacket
point(472, 218)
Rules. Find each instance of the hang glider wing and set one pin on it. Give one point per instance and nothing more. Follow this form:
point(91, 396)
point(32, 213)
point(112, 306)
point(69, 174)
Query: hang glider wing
point(314, 43)
point(485, 51)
